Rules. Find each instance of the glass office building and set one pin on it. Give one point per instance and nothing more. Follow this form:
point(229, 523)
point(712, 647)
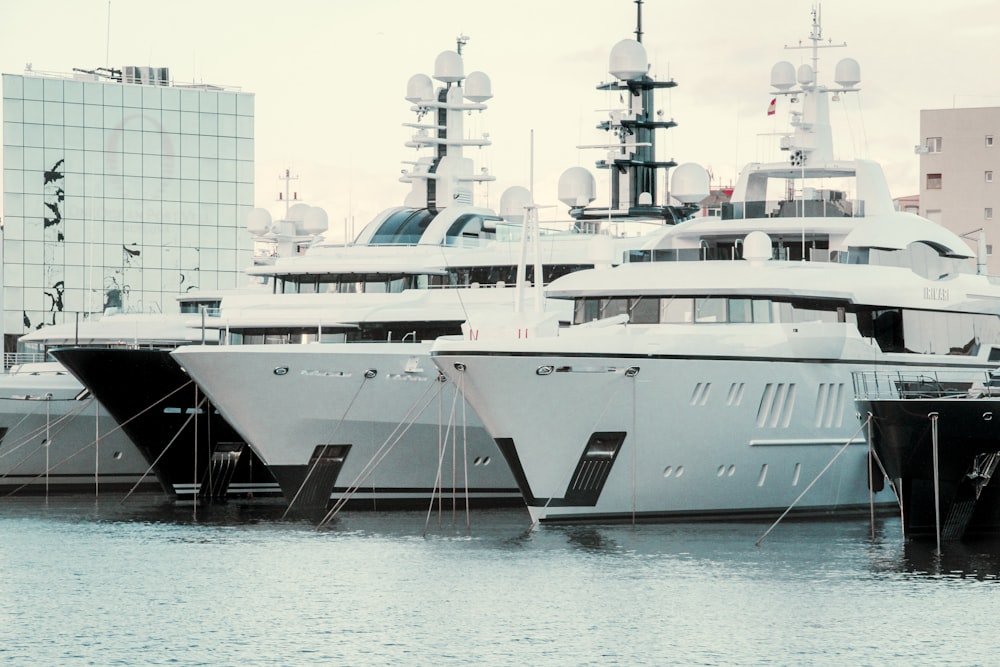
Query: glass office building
point(121, 191)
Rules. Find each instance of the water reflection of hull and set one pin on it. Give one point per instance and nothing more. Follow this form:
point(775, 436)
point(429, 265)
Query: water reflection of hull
point(903, 434)
point(189, 446)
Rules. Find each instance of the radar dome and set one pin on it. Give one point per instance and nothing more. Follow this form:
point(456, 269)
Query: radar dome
point(577, 187)
point(757, 247)
point(297, 212)
point(419, 88)
point(690, 183)
point(628, 60)
point(514, 202)
point(258, 221)
point(847, 73)
point(805, 74)
point(448, 67)
point(315, 221)
point(783, 75)
point(477, 87)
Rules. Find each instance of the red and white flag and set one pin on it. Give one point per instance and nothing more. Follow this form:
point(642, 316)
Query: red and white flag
point(770, 107)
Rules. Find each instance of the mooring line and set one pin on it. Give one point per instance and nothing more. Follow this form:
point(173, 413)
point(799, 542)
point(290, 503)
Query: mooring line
point(384, 449)
point(315, 464)
point(813, 482)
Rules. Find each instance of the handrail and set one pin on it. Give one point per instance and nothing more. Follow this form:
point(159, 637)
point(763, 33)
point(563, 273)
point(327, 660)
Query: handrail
point(924, 384)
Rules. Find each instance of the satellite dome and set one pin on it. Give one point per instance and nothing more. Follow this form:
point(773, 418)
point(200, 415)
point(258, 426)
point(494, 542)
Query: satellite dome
point(805, 74)
point(690, 183)
point(783, 75)
point(847, 73)
point(258, 221)
point(448, 67)
point(757, 247)
point(577, 187)
point(628, 60)
point(297, 212)
point(419, 88)
point(477, 87)
point(514, 202)
point(315, 221)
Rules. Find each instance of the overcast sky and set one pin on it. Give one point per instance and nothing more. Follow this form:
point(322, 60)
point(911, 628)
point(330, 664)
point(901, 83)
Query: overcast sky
point(329, 77)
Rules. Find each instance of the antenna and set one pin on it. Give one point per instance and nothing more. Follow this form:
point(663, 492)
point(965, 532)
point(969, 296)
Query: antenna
point(287, 178)
point(107, 44)
point(461, 41)
point(815, 36)
point(638, 21)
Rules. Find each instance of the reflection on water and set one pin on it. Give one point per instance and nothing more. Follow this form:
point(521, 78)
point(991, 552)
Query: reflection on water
point(236, 583)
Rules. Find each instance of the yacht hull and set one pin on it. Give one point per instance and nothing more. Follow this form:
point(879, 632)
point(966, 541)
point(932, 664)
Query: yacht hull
point(967, 436)
point(50, 442)
point(655, 437)
point(186, 444)
point(367, 424)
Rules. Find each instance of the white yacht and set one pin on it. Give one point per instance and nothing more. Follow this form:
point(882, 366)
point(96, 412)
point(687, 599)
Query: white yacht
point(721, 387)
point(369, 422)
point(54, 436)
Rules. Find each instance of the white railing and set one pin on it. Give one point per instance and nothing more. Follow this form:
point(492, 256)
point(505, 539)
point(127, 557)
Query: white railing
point(911, 384)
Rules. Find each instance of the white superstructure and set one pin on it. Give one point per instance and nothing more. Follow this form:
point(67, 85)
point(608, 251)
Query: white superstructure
point(371, 420)
point(713, 380)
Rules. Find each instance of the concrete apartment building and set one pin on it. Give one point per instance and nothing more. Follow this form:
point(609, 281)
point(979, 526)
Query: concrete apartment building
point(121, 190)
point(960, 173)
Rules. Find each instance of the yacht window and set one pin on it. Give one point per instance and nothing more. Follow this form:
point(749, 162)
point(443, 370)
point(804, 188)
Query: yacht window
point(644, 310)
point(403, 227)
point(586, 310)
point(710, 309)
point(740, 311)
point(761, 310)
point(677, 310)
point(613, 306)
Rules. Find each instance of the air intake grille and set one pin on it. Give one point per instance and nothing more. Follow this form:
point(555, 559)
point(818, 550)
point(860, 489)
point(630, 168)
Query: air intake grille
point(594, 467)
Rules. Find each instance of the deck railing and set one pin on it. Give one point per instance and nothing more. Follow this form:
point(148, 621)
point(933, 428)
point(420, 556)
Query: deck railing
point(896, 384)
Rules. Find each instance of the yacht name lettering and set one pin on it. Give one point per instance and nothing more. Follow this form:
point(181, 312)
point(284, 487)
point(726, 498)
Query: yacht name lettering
point(326, 374)
point(936, 294)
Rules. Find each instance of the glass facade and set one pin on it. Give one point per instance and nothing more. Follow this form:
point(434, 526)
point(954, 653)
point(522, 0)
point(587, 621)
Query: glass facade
point(120, 196)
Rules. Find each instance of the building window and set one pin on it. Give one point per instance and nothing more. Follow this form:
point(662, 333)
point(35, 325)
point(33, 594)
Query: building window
point(933, 181)
point(989, 176)
point(988, 213)
point(989, 140)
point(933, 144)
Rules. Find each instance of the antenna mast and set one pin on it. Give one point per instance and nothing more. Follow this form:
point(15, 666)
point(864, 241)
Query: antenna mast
point(638, 21)
point(107, 42)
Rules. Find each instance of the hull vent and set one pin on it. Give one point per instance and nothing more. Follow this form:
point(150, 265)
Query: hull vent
point(595, 465)
point(221, 467)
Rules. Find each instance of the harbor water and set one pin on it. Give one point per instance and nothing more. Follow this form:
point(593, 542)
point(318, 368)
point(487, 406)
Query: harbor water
point(101, 582)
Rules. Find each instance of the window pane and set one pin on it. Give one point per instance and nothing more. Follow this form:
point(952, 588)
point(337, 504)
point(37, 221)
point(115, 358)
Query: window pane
point(710, 309)
point(676, 310)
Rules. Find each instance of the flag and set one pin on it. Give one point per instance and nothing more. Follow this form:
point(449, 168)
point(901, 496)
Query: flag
point(770, 107)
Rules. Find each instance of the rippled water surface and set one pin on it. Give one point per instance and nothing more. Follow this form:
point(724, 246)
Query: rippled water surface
point(146, 582)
